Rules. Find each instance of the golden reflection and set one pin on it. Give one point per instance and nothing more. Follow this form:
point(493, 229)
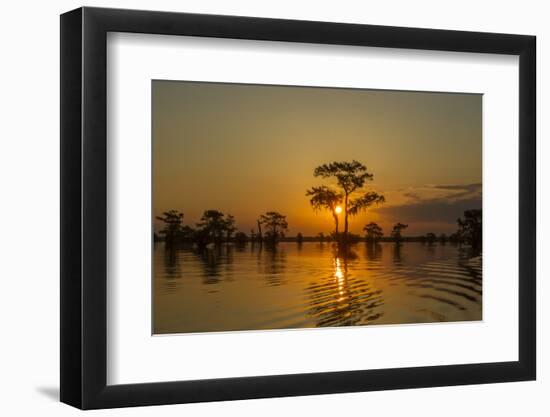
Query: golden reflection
point(345, 296)
point(340, 278)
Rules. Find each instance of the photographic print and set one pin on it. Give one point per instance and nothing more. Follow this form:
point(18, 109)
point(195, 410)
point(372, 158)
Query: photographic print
point(286, 207)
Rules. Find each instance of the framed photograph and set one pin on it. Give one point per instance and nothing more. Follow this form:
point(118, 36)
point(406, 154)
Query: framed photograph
point(258, 208)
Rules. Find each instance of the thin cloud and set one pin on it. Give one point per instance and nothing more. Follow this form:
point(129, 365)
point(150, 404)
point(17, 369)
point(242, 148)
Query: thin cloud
point(440, 203)
point(471, 187)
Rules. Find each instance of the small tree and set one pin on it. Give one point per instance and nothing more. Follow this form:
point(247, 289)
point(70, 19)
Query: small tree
point(172, 220)
point(443, 238)
point(299, 237)
point(430, 238)
point(240, 238)
point(396, 231)
point(212, 225)
point(373, 231)
point(275, 225)
point(470, 228)
point(321, 237)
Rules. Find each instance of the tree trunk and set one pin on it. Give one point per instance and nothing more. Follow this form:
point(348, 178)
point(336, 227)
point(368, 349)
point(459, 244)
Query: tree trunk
point(346, 218)
point(260, 238)
point(336, 222)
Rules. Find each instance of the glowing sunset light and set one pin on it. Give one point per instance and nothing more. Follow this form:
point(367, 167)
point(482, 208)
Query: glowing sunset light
point(215, 145)
point(293, 207)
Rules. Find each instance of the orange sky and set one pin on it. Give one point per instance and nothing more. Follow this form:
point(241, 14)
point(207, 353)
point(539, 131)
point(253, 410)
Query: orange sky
point(248, 149)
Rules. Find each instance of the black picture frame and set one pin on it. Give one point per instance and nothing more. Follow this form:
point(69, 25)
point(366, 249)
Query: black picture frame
point(84, 207)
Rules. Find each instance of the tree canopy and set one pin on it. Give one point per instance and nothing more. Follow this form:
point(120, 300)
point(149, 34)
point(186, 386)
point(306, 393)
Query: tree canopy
point(172, 220)
point(350, 178)
point(214, 226)
point(396, 231)
point(275, 225)
point(373, 231)
point(470, 228)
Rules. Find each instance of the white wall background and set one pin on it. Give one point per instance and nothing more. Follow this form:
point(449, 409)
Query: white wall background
point(29, 212)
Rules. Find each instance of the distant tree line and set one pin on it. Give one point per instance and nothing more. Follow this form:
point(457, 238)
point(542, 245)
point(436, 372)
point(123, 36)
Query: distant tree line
point(469, 232)
point(216, 228)
point(348, 196)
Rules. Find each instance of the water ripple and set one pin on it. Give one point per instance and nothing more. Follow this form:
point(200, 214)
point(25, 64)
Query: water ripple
point(250, 288)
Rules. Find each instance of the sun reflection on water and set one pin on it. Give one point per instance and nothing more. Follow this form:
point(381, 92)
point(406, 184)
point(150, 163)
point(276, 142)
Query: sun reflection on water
point(339, 277)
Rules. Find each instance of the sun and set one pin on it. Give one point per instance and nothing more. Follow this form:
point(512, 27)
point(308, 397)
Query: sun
point(338, 210)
